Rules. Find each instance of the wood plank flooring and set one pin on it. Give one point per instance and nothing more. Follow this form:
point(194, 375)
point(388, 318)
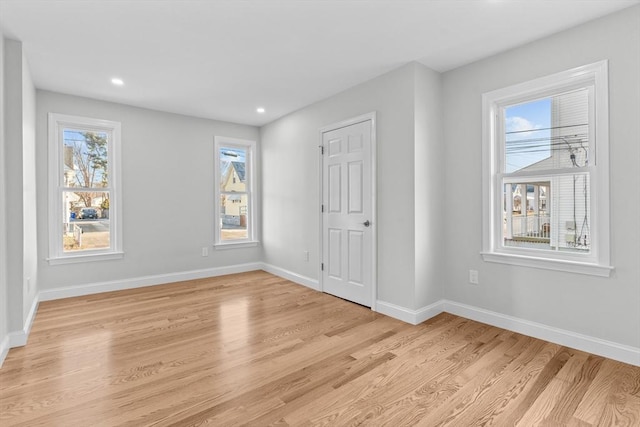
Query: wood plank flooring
point(255, 349)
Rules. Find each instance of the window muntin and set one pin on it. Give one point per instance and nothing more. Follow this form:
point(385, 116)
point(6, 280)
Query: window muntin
point(545, 162)
point(235, 171)
point(84, 189)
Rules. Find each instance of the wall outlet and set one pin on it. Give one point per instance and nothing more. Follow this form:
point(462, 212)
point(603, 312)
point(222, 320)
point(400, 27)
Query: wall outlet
point(473, 277)
point(205, 251)
point(305, 256)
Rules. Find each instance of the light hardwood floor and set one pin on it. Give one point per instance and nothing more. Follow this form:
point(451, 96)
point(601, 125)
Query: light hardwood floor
point(255, 349)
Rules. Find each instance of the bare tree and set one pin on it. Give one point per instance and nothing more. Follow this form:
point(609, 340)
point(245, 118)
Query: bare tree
point(90, 164)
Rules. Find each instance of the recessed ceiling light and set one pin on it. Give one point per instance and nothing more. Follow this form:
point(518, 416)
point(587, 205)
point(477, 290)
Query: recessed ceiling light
point(260, 110)
point(116, 81)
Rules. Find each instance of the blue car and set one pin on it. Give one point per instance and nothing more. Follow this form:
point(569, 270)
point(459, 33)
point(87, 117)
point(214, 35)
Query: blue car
point(88, 213)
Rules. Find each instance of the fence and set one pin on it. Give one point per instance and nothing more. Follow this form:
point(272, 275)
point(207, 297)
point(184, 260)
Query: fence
point(77, 234)
point(531, 226)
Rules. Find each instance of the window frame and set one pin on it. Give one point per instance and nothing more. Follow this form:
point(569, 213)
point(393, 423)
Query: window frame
point(56, 124)
point(251, 161)
point(597, 262)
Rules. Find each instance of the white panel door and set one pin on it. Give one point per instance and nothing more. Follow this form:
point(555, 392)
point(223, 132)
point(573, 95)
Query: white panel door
point(347, 213)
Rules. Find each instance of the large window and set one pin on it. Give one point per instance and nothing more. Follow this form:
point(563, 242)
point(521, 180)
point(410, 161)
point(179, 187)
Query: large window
point(235, 196)
point(84, 208)
point(545, 162)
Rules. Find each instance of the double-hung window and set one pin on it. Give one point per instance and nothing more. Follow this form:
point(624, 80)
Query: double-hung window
point(235, 161)
point(84, 189)
point(545, 172)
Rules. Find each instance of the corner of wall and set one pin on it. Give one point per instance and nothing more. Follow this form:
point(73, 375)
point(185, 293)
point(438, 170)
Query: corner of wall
point(29, 197)
point(4, 303)
point(428, 185)
point(18, 161)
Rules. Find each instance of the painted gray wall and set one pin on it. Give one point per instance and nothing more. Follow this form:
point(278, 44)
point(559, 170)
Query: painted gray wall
point(167, 176)
point(19, 169)
point(291, 179)
point(4, 297)
point(424, 252)
point(607, 308)
point(429, 191)
point(29, 203)
point(13, 172)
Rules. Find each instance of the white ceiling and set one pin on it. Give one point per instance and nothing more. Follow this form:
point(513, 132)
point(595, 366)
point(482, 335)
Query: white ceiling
point(221, 59)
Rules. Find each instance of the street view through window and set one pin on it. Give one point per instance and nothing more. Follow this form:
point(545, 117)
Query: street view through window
point(85, 195)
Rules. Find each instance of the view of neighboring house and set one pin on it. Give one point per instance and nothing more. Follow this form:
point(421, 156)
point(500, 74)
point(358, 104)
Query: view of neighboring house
point(234, 206)
point(556, 212)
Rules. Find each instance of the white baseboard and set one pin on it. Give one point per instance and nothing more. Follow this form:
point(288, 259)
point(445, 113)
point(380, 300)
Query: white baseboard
point(4, 349)
point(139, 282)
point(426, 313)
point(289, 275)
point(586, 343)
point(408, 315)
point(19, 338)
point(600, 347)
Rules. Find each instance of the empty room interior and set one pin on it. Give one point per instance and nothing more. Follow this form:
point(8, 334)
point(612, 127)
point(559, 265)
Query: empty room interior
point(320, 212)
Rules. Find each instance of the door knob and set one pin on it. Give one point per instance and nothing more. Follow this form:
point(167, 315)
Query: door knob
point(366, 223)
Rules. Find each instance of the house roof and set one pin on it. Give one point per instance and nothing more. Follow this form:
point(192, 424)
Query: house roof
point(239, 167)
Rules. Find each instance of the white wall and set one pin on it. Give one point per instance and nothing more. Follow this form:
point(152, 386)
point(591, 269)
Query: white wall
point(167, 179)
point(606, 308)
point(290, 180)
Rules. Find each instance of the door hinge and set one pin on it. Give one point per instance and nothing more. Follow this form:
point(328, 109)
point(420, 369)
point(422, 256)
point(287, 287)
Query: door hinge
point(321, 208)
point(322, 266)
point(321, 149)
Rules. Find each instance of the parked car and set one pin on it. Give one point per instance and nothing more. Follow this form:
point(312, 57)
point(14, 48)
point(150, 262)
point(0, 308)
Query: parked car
point(88, 213)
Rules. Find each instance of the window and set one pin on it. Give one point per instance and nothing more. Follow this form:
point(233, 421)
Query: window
point(84, 189)
point(235, 196)
point(545, 172)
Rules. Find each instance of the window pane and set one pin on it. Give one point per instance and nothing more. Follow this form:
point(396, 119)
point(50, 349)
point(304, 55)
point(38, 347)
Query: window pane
point(234, 216)
point(233, 169)
point(84, 159)
point(549, 133)
point(86, 220)
point(574, 217)
point(552, 215)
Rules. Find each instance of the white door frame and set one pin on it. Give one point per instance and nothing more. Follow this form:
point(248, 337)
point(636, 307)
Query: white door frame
point(374, 224)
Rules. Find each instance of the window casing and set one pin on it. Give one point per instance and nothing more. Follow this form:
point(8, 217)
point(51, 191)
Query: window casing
point(84, 189)
point(235, 195)
point(545, 186)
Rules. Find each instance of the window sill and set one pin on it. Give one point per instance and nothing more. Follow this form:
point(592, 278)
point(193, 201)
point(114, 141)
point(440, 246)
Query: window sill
point(74, 259)
point(548, 263)
point(236, 245)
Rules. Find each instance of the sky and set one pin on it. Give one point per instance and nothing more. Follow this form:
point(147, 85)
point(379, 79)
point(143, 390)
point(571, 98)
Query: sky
point(228, 155)
point(524, 120)
point(75, 138)
point(232, 155)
